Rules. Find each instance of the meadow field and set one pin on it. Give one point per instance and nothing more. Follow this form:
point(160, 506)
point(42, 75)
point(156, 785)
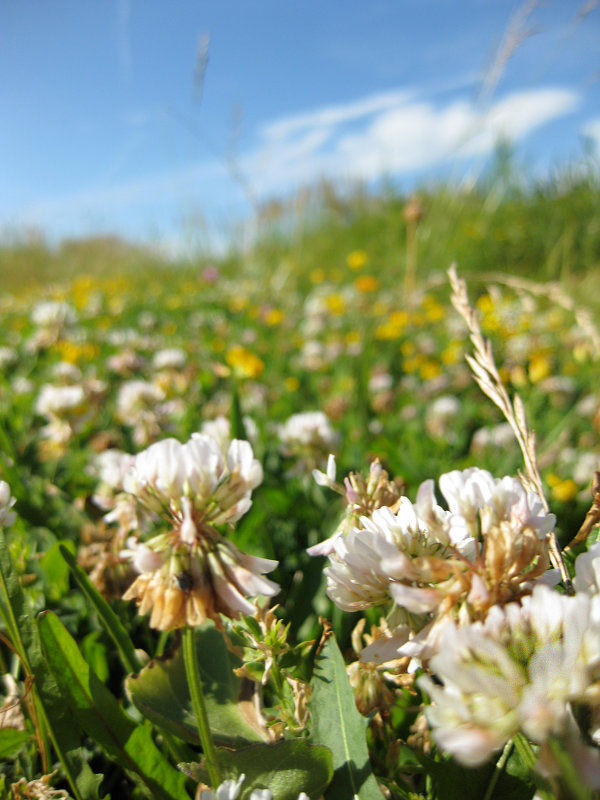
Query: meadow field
point(176, 435)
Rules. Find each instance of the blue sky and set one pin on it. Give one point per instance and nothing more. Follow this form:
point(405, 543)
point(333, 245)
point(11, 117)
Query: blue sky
point(106, 128)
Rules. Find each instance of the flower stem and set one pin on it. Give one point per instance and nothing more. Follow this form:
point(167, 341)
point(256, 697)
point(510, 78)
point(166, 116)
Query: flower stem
point(198, 705)
point(499, 769)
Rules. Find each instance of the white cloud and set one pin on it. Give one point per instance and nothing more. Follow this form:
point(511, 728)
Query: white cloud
point(334, 114)
point(394, 133)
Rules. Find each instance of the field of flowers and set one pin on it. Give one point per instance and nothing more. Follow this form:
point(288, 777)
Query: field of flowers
point(265, 536)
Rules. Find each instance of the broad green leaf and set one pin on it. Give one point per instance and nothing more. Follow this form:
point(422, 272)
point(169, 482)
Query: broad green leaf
point(286, 768)
point(17, 618)
point(160, 693)
point(12, 741)
point(99, 714)
point(113, 625)
point(338, 725)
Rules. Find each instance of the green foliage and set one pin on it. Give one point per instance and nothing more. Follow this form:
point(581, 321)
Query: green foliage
point(337, 724)
point(160, 692)
point(53, 717)
point(98, 713)
point(286, 768)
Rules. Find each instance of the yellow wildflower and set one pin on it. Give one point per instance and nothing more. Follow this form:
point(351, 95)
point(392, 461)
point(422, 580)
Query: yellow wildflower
point(273, 317)
point(244, 363)
point(393, 326)
point(562, 490)
point(429, 369)
point(452, 353)
point(485, 304)
point(74, 352)
point(366, 283)
point(539, 367)
point(357, 259)
point(335, 304)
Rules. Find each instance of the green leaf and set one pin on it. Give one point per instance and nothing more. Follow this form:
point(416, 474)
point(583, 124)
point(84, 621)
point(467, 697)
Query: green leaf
point(55, 571)
point(95, 653)
point(160, 693)
point(12, 741)
point(338, 725)
point(54, 716)
point(96, 711)
point(286, 768)
point(112, 624)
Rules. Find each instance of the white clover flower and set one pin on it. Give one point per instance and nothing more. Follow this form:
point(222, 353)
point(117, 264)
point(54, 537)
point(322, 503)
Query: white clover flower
point(53, 313)
point(308, 437)
point(378, 561)
point(7, 517)
point(584, 467)
point(198, 573)
point(440, 416)
point(520, 670)
point(22, 385)
point(489, 546)
point(308, 428)
point(479, 502)
point(56, 401)
point(111, 466)
point(136, 397)
point(125, 362)
point(495, 436)
point(141, 405)
point(65, 372)
point(219, 488)
point(170, 358)
point(8, 356)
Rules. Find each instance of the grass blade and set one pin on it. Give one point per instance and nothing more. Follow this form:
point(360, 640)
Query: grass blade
point(109, 619)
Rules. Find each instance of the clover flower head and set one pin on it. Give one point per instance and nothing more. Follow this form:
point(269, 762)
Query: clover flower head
point(58, 401)
point(488, 547)
point(191, 571)
point(53, 313)
point(519, 670)
point(308, 437)
point(170, 358)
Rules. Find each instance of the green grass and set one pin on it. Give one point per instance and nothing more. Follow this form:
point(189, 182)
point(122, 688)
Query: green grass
point(542, 229)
